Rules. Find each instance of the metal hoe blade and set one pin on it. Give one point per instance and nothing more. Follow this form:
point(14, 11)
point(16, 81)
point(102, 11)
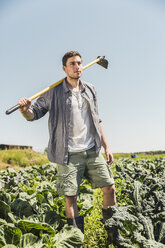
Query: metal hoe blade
point(103, 62)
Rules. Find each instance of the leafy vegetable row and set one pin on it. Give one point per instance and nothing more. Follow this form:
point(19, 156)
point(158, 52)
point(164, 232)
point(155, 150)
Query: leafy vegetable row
point(32, 213)
point(143, 221)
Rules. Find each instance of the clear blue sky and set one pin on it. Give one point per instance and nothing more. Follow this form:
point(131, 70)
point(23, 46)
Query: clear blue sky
point(35, 34)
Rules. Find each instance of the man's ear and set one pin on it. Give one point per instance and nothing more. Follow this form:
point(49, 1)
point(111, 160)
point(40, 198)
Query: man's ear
point(64, 68)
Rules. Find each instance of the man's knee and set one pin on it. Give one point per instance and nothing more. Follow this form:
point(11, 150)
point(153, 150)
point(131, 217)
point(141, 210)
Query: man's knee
point(109, 189)
point(71, 200)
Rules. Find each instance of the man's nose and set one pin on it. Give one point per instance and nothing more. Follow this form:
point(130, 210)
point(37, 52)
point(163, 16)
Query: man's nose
point(77, 65)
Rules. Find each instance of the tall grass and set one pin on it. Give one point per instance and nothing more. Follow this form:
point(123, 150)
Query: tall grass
point(21, 158)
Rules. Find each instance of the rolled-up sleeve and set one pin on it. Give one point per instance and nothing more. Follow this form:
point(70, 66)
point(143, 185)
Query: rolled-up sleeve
point(40, 107)
point(95, 93)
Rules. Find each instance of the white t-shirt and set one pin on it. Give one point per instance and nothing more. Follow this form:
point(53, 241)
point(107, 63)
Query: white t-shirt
point(80, 130)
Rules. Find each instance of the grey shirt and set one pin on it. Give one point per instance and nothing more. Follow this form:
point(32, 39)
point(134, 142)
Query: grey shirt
point(58, 102)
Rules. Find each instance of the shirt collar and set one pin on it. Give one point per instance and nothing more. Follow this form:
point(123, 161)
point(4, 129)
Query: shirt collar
point(65, 86)
point(67, 89)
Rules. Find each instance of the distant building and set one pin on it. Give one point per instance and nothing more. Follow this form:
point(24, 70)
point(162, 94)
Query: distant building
point(8, 147)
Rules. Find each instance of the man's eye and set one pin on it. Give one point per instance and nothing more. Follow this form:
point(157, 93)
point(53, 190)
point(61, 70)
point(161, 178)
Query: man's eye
point(73, 63)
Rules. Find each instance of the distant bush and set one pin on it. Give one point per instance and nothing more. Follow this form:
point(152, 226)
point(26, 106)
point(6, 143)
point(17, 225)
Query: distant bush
point(141, 155)
point(154, 152)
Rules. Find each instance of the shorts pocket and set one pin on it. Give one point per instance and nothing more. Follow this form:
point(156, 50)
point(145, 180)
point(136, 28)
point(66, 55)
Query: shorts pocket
point(60, 183)
point(110, 172)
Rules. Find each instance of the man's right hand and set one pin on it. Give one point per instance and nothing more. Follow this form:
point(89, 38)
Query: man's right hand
point(25, 104)
point(25, 109)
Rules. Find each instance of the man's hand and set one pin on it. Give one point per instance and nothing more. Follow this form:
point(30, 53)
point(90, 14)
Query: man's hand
point(25, 104)
point(109, 156)
point(25, 109)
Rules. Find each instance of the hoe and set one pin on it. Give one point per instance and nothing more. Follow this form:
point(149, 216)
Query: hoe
point(100, 60)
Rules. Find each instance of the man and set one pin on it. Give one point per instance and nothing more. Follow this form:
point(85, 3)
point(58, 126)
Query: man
point(76, 137)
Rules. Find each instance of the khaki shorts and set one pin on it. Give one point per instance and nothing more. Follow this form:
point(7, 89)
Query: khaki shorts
point(83, 164)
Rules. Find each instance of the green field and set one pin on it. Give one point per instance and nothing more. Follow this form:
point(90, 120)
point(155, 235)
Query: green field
point(15, 158)
point(32, 214)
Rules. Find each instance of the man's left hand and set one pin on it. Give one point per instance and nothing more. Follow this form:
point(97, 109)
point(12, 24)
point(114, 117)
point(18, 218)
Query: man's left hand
point(109, 156)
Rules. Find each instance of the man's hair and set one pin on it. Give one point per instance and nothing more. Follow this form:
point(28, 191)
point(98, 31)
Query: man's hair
point(69, 55)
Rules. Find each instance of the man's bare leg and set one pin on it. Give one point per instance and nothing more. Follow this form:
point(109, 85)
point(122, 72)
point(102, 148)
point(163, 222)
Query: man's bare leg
point(71, 206)
point(72, 215)
point(109, 196)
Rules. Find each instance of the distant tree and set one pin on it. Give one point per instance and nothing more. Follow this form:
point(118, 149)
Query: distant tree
point(46, 150)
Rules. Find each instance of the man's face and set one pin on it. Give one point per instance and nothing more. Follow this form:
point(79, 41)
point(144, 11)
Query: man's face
point(73, 68)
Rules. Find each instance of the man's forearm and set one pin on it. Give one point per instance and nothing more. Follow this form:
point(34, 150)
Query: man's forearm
point(108, 153)
point(28, 114)
point(103, 139)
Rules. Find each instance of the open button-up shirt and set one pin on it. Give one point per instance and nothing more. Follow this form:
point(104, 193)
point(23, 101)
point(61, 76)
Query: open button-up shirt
point(57, 102)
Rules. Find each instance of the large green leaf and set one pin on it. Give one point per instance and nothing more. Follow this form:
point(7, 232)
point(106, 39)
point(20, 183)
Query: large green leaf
point(28, 240)
point(5, 197)
point(46, 215)
point(85, 203)
point(31, 241)
point(12, 234)
point(36, 228)
point(2, 238)
point(43, 208)
point(52, 218)
point(22, 208)
point(69, 237)
point(2, 221)
point(4, 210)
